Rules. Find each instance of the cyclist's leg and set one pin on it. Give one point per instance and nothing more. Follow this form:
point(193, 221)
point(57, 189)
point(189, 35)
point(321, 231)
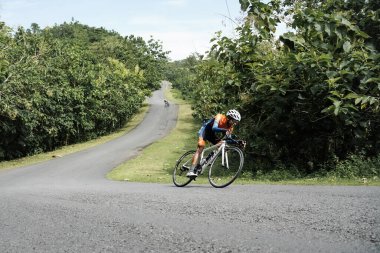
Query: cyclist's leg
point(205, 134)
point(198, 152)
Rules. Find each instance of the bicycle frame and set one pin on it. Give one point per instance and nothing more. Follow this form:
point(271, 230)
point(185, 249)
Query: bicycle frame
point(220, 148)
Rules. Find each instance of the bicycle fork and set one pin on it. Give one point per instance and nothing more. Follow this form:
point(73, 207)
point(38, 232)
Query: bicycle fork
point(225, 157)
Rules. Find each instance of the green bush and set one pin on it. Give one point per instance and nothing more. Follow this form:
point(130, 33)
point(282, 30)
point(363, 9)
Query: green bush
point(305, 98)
point(70, 83)
point(356, 166)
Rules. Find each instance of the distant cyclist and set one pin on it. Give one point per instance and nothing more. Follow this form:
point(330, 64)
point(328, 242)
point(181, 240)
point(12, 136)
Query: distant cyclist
point(166, 103)
point(219, 124)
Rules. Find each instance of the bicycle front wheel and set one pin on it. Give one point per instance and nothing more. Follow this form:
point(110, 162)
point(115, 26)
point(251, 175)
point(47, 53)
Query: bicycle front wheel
point(225, 169)
point(181, 168)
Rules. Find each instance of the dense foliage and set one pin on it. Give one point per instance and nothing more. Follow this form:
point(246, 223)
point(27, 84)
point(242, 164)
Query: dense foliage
point(308, 98)
point(70, 83)
point(182, 74)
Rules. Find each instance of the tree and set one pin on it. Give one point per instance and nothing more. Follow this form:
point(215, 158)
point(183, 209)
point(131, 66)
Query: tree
point(307, 98)
point(69, 83)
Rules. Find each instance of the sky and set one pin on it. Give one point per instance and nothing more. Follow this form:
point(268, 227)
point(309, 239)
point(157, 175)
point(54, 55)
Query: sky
point(183, 26)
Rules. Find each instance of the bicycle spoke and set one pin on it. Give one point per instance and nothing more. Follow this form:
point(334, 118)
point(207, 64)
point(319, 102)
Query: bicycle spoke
point(224, 172)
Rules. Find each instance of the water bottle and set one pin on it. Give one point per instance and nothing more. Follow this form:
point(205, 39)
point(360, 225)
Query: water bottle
point(210, 156)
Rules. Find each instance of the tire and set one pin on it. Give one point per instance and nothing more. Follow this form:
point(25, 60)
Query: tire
point(181, 168)
point(220, 176)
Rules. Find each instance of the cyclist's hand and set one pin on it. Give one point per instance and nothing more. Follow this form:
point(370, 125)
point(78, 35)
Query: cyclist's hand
point(228, 134)
point(242, 144)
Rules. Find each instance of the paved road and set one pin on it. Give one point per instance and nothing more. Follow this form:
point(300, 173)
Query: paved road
point(66, 205)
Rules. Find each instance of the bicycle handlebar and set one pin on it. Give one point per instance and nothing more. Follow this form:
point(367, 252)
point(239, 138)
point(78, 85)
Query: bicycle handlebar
point(232, 140)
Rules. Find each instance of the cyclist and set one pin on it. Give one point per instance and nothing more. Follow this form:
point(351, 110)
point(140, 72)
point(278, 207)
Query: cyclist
point(219, 124)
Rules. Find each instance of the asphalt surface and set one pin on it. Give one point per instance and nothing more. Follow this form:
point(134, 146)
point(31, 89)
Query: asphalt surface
point(67, 205)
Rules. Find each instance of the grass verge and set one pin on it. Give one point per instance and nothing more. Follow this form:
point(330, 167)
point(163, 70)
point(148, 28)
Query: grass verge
point(135, 120)
point(155, 163)
point(313, 181)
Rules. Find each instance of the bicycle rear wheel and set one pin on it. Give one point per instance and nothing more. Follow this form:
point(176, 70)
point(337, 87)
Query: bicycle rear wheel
point(221, 175)
point(181, 168)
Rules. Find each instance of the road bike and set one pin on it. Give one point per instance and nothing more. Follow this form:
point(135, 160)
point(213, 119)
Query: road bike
point(225, 161)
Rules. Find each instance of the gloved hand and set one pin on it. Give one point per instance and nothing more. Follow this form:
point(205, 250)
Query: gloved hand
point(242, 143)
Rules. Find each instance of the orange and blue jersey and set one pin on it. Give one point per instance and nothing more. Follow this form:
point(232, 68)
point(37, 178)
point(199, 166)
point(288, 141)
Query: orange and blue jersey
point(218, 124)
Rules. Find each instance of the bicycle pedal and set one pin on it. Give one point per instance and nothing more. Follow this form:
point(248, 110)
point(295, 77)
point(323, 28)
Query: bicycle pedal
point(185, 168)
